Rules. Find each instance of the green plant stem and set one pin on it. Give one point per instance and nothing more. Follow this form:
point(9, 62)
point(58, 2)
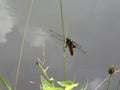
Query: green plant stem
point(64, 40)
point(0, 86)
point(22, 44)
point(109, 79)
point(42, 70)
point(74, 77)
point(118, 85)
point(5, 83)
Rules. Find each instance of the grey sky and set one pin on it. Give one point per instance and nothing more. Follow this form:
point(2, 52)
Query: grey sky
point(94, 24)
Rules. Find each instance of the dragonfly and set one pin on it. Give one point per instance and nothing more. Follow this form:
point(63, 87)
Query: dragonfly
point(69, 42)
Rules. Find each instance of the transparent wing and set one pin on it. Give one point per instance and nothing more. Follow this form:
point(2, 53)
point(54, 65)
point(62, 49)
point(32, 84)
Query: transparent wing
point(79, 47)
point(55, 35)
point(59, 37)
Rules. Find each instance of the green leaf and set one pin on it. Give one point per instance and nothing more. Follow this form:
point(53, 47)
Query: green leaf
point(65, 83)
point(70, 87)
point(52, 88)
point(45, 83)
point(5, 83)
point(85, 87)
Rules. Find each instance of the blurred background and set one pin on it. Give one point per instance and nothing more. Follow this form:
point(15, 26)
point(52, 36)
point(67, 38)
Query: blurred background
point(94, 24)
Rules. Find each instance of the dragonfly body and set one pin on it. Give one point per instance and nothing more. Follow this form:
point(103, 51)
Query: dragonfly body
point(69, 42)
point(71, 45)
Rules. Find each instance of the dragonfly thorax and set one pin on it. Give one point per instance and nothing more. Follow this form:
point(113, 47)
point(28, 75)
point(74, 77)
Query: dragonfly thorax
point(69, 42)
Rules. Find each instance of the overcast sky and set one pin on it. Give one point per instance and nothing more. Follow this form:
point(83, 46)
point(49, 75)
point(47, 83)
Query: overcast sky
point(94, 24)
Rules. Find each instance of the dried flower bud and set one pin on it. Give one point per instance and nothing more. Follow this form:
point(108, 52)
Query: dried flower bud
point(111, 69)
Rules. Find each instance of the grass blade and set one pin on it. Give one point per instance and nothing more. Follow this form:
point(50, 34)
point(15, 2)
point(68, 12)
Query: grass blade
point(5, 83)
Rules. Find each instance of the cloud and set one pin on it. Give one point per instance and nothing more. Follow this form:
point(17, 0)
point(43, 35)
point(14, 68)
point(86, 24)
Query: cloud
point(6, 20)
point(36, 36)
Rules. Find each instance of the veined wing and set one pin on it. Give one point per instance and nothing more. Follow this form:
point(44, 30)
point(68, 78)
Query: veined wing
point(55, 35)
point(79, 47)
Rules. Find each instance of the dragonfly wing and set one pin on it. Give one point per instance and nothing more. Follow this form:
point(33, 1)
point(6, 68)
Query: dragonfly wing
point(55, 35)
point(79, 47)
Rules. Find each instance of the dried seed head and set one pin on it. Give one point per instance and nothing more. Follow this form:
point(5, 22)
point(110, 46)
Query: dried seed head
point(111, 70)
